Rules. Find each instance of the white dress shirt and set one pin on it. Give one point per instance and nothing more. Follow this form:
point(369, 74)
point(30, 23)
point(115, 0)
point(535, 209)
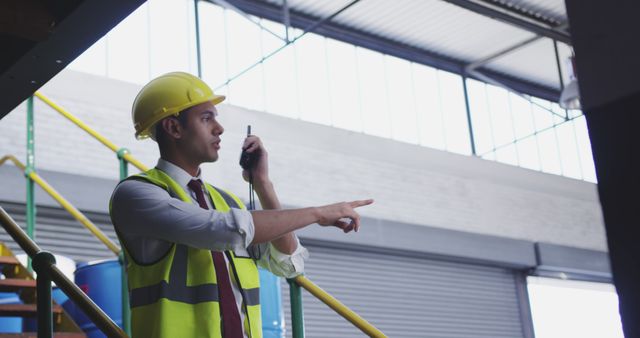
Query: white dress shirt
point(149, 221)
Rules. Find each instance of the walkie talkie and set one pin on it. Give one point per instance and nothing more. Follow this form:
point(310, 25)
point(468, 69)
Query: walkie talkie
point(247, 162)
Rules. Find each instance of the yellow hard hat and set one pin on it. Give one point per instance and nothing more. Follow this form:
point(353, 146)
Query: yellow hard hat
point(168, 95)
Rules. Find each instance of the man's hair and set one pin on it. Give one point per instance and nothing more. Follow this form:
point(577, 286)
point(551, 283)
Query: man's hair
point(161, 135)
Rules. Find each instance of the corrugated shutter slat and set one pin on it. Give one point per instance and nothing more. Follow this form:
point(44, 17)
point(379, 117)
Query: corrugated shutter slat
point(59, 233)
point(408, 296)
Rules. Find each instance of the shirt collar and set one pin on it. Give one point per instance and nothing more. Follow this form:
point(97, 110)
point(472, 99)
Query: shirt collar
point(176, 173)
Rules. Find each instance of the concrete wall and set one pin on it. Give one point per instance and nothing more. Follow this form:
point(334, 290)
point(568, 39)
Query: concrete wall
point(312, 164)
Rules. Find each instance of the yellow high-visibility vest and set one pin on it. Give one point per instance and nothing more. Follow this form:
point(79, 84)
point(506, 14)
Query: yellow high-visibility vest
point(177, 296)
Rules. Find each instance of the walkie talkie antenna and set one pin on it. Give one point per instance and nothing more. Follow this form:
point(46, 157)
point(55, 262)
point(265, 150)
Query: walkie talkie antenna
point(252, 203)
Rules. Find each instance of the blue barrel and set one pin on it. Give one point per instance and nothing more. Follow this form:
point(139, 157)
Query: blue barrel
point(271, 305)
point(101, 281)
point(10, 324)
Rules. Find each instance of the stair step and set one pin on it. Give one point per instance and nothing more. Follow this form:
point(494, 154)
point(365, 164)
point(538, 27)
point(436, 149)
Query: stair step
point(9, 260)
point(35, 335)
point(13, 284)
point(24, 310)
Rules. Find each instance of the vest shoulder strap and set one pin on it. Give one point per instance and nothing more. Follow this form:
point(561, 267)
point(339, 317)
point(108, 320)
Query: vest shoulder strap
point(159, 178)
point(231, 200)
point(148, 179)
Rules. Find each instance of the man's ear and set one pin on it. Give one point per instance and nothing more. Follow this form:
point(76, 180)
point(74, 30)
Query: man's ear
point(172, 127)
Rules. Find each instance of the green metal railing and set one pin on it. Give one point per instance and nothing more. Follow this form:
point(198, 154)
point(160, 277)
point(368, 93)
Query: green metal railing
point(32, 177)
point(296, 284)
point(126, 311)
point(336, 305)
point(30, 203)
point(44, 265)
point(124, 157)
point(297, 313)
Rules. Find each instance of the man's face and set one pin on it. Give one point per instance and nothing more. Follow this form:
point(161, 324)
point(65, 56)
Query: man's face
point(200, 141)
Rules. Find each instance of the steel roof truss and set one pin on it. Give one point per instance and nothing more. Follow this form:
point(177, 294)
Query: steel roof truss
point(383, 45)
point(512, 19)
point(227, 5)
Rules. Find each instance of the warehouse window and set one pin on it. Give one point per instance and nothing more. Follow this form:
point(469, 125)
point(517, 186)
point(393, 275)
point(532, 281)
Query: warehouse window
point(321, 80)
point(562, 308)
point(534, 134)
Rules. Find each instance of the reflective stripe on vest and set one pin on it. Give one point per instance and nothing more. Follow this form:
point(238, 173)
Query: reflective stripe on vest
point(177, 289)
point(171, 297)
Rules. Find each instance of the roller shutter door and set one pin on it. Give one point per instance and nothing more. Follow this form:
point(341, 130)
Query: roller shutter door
point(59, 233)
point(403, 296)
point(408, 296)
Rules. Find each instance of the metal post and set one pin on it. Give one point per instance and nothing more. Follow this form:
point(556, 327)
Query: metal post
point(472, 69)
point(124, 165)
point(31, 206)
point(126, 311)
point(307, 30)
point(42, 263)
point(286, 19)
point(197, 23)
point(102, 321)
point(297, 315)
point(469, 122)
point(226, 4)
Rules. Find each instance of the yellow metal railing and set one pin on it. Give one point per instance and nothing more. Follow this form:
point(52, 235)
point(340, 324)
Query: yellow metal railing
point(302, 281)
point(44, 264)
point(338, 307)
point(127, 156)
point(64, 203)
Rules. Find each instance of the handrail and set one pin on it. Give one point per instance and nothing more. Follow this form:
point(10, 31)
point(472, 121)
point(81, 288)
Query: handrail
point(316, 291)
point(127, 156)
point(124, 157)
point(338, 307)
point(101, 320)
point(64, 203)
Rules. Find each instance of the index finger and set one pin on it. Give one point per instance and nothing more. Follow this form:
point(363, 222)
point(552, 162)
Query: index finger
point(360, 203)
point(249, 140)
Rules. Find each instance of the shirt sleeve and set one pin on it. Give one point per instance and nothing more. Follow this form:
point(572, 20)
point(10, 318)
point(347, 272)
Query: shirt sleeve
point(281, 264)
point(140, 209)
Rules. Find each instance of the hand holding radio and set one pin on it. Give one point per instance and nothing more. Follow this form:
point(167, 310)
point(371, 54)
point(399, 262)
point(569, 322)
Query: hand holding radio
point(247, 160)
point(253, 158)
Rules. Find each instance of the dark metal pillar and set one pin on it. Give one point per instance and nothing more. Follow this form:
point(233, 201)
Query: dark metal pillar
point(607, 53)
point(42, 265)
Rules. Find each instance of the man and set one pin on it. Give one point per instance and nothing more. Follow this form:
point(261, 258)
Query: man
point(191, 248)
